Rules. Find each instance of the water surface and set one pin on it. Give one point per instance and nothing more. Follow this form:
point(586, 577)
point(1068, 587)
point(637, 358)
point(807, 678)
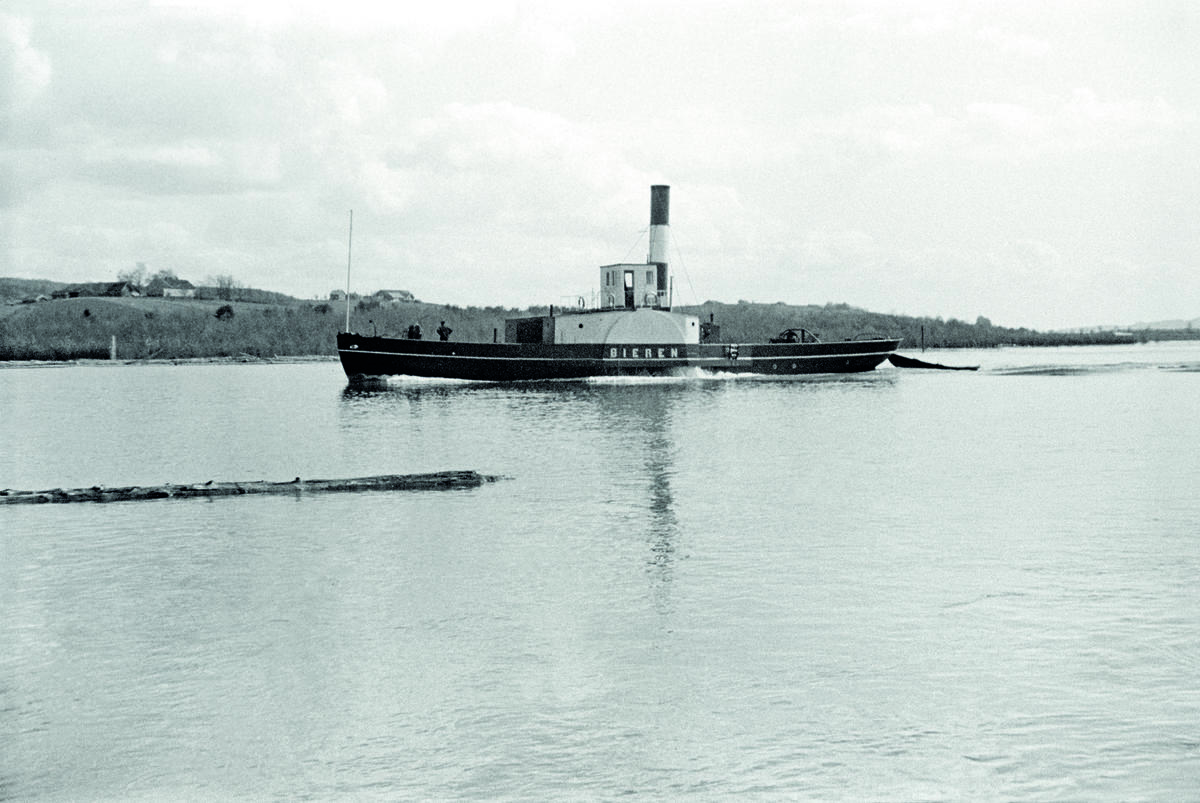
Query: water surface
point(900, 585)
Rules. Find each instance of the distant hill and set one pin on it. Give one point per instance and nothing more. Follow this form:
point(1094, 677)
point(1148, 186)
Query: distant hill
point(750, 321)
point(247, 294)
point(1176, 324)
point(16, 290)
point(1194, 323)
point(21, 289)
point(262, 323)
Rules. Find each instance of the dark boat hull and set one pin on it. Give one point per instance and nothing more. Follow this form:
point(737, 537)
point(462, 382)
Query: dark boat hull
point(369, 357)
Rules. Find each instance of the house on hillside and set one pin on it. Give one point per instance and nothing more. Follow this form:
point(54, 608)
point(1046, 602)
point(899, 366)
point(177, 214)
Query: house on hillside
point(98, 289)
point(394, 296)
point(171, 287)
point(85, 290)
point(117, 289)
point(337, 295)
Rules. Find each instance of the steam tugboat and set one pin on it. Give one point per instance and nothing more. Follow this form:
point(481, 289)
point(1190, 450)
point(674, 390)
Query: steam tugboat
point(634, 332)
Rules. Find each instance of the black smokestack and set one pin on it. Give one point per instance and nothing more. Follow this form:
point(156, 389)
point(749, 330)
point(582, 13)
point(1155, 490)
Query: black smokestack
point(660, 205)
point(660, 232)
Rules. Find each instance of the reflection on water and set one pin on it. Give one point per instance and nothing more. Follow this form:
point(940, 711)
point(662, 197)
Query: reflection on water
point(632, 416)
point(645, 414)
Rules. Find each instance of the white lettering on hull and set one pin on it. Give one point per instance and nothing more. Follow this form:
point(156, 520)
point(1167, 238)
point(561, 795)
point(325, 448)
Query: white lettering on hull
point(643, 353)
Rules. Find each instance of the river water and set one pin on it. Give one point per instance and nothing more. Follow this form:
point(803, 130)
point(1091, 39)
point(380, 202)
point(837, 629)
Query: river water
point(896, 585)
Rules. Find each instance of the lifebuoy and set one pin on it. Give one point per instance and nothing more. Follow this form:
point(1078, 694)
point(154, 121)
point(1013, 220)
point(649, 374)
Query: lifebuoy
point(650, 299)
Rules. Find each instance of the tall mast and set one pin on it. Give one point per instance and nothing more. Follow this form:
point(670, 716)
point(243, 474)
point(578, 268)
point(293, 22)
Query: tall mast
point(349, 245)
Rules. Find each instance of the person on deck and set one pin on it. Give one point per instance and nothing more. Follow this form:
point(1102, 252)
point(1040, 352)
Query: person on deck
point(444, 331)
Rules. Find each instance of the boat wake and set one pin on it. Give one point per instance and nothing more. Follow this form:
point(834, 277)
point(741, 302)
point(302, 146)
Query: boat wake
point(408, 380)
point(1099, 368)
point(672, 377)
point(696, 374)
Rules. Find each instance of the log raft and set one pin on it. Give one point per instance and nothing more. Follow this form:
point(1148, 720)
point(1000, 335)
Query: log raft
point(436, 481)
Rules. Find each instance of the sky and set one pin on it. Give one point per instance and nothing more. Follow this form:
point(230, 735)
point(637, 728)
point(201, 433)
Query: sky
point(1035, 163)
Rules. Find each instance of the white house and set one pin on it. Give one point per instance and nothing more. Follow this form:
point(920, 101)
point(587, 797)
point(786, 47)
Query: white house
point(394, 296)
point(171, 287)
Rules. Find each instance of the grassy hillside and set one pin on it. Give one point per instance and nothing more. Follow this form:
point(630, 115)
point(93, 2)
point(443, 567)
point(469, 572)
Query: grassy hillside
point(146, 328)
point(748, 322)
point(13, 290)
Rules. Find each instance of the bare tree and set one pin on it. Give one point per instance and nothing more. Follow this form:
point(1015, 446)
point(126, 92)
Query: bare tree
point(135, 276)
point(225, 285)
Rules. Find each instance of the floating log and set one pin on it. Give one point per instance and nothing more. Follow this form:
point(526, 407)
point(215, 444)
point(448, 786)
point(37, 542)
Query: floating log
point(901, 361)
point(436, 481)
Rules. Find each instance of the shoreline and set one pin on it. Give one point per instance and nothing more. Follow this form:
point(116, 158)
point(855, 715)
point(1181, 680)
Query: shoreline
point(245, 359)
point(250, 359)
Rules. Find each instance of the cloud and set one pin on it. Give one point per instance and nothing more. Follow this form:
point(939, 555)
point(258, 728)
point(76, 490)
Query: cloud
point(495, 152)
point(346, 17)
point(831, 250)
point(185, 169)
point(503, 163)
point(25, 71)
point(1024, 46)
point(1080, 122)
